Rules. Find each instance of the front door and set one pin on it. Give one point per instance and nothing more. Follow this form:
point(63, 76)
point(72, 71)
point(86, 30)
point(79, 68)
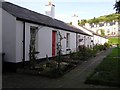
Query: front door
point(53, 43)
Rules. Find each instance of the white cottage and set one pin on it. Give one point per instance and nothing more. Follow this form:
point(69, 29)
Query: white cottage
point(98, 39)
point(91, 38)
point(19, 24)
point(82, 39)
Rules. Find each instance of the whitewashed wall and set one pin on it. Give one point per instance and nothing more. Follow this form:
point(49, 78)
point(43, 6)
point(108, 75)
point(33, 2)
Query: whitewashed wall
point(95, 39)
point(63, 42)
point(13, 37)
point(19, 39)
point(9, 36)
point(99, 40)
point(92, 39)
point(80, 36)
point(103, 41)
point(73, 42)
point(45, 42)
point(27, 40)
point(88, 41)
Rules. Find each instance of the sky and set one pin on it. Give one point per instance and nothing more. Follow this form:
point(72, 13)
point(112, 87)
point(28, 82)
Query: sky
point(65, 9)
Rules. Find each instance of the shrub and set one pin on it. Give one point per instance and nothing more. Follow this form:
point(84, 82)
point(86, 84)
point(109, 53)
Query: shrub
point(100, 47)
point(75, 55)
point(107, 45)
point(95, 49)
point(82, 54)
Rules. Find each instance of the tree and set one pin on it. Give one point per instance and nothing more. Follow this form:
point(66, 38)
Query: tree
point(70, 23)
point(82, 22)
point(102, 32)
point(117, 6)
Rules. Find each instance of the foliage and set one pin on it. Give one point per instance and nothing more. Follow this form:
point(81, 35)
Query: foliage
point(102, 32)
point(107, 72)
point(117, 6)
point(32, 47)
point(84, 53)
point(107, 45)
point(96, 49)
point(114, 40)
point(70, 23)
point(82, 22)
point(105, 18)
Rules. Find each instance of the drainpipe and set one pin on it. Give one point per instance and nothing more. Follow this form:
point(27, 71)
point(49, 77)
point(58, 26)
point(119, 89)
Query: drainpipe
point(23, 43)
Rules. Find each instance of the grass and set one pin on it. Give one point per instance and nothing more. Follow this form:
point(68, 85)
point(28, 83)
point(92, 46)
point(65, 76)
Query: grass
point(114, 40)
point(108, 71)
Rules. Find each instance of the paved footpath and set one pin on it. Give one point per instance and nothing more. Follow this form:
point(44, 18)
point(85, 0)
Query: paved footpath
point(74, 79)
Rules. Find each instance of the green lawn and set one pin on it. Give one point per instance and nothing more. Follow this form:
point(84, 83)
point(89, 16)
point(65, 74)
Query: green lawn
point(114, 40)
point(108, 71)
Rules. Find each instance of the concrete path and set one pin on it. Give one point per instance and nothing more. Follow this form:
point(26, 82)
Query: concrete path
point(73, 79)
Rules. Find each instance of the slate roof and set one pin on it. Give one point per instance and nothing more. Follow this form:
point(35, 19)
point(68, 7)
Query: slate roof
point(30, 16)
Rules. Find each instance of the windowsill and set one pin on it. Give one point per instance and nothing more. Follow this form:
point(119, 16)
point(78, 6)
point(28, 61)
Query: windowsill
point(68, 49)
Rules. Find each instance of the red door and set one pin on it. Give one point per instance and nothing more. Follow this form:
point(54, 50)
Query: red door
point(53, 43)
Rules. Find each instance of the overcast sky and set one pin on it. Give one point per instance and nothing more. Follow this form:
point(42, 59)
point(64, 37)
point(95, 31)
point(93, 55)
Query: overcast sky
point(64, 9)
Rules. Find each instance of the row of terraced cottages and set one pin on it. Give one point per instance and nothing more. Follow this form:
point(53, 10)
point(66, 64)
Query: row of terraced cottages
point(19, 24)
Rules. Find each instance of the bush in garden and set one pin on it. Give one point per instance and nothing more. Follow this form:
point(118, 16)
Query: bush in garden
point(118, 45)
point(95, 49)
point(81, 48)
point(83, 53)
point(101, 47)
point(107, 45)
point(89, 52)
point(75, 55)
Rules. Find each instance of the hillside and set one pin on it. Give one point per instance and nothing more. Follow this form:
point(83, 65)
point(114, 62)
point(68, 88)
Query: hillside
point(105, 18)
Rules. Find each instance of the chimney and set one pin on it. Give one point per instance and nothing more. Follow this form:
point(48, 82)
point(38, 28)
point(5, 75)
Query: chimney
point(50, 9)
point(75, 20)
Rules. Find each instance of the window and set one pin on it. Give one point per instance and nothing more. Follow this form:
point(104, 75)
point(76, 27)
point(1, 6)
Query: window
point(34, 37)
point(68, 40)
